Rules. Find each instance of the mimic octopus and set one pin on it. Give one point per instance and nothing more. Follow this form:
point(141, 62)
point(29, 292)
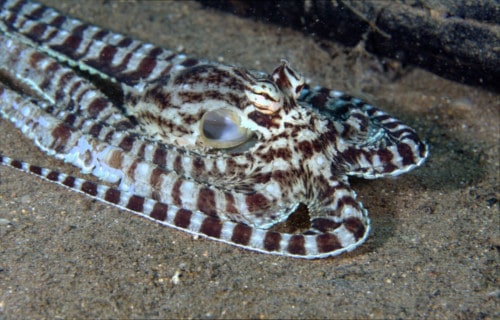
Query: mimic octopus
point(212, 149)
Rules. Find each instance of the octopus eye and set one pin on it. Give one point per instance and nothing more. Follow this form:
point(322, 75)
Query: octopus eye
point(221, 129)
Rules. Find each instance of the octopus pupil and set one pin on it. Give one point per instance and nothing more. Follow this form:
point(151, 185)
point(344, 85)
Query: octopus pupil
point(218, 125)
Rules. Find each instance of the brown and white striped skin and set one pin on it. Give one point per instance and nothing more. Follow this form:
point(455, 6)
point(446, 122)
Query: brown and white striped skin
point(158, 150)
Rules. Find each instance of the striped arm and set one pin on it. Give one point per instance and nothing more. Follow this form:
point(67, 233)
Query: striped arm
point(111, 55)
point(194, 222)
point(374, 144)
point(71, 98)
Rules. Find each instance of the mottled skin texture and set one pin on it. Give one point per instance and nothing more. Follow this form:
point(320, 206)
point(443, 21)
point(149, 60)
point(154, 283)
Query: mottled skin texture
point(158, 145)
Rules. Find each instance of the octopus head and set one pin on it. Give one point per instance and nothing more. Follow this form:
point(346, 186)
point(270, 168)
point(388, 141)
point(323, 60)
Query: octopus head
point(218, 107)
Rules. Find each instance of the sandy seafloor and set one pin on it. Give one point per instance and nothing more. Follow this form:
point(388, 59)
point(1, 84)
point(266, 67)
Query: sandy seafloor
point(433, 251)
